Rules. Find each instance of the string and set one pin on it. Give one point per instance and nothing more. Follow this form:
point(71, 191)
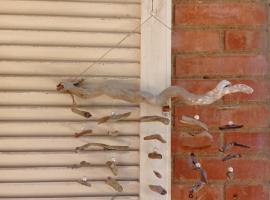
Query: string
point(116, 46)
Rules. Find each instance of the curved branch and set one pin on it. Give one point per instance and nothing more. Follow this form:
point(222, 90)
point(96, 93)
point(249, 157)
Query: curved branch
point(120, 90)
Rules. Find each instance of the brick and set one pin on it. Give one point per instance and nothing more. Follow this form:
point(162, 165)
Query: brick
point(182, 144)
point(261, 89)
point(220, 65)
point(256, 170)
point(209, 192)
point(248, 192)
point(258, 142)
point(187, 41)
point(214, 116)
point(220, 14)
point(244, 40)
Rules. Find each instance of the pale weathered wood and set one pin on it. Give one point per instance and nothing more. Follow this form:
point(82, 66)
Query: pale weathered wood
point(60, 113)
point(65, 173)
point(108, 1)
point(59, 8)
point(67, 53)
point(69, 68)
point(155, 77)
point(49, 83)
point(52, 189)
point(32, 128)
point(63, 144)
point(61, 38)
point(19, 159)
point(68, 23)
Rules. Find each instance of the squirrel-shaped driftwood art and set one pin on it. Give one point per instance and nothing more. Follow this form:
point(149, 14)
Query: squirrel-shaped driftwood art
point(120, 90)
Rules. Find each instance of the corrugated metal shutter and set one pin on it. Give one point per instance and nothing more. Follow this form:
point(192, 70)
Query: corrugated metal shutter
point(42, 43)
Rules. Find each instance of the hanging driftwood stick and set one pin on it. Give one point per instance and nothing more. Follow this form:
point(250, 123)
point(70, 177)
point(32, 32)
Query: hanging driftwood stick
point(230, 126)
point(228, 146)
point(158, 189)
point(157, 174)
point(154, 155)
point(82, 164)
point(83, 113)
point(193, 122)
point(114, 184)
point(163, 120)
point(103, 146)
point(83, 133)
point(196, 188)
point(114, 118)
point(112, 166)
point(155, 137)
point(231, 156)
point(121, 90)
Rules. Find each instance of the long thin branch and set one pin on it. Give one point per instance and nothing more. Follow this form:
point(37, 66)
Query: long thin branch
point(123, 91)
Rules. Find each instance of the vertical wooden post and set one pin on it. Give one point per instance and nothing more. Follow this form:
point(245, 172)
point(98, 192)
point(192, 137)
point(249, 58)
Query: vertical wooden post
point(155, 76)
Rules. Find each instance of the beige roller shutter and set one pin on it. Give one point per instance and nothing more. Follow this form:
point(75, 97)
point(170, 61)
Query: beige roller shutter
point(41, 43)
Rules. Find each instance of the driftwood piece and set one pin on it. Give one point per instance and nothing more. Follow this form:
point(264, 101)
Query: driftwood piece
point(230, 126)
point(155, 155)
point(157, 174)
point(196, 188)
point(82, 164)
point(84, 182)
point(82, 113)
point(113, 133)
point(114, 118)
point(114, 184)
point(193, 122)
point(231, 156)
point(121, 90)
point(228, 146)
point(153, 118)
point(158, 189)
point(155, 137)
point(112, 166)
point(103, 146)
point(84, 132)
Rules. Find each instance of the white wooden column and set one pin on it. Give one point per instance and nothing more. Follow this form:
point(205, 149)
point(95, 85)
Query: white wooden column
point(155, 76)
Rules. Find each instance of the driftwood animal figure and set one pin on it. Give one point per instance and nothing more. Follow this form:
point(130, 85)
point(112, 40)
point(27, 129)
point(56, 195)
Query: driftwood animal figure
point(123, 91)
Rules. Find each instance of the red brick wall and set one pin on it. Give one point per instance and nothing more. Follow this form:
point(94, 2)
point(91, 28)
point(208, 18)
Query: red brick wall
point(215, 40)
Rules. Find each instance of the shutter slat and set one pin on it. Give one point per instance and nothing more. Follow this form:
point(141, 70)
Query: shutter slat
point(63, 144)
point(67, 53)
point(81, 198)
point(69, 68)
point(58, 38)
point(68, 23)
point(56, 129)
point(60, 113)
point(23, 159)
point(65, 174)
point(70, 8)
point(53, 189)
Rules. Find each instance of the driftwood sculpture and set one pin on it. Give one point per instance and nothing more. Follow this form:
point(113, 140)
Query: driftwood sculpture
point(123, 91)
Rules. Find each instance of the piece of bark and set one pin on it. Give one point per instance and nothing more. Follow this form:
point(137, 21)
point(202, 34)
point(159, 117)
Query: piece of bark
point(155, 137)
point(82, 133)
point(112, 166)
point(114, 118)
point(154, 155)
point(231, 156)
point(193, 122)
point(158, 175)
point(82, 113)
point(228, 146)
point(163, 120)
point(103, 146)
point(114, 184)
point(158, 189)
point(82, 164)
point(122, 90)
